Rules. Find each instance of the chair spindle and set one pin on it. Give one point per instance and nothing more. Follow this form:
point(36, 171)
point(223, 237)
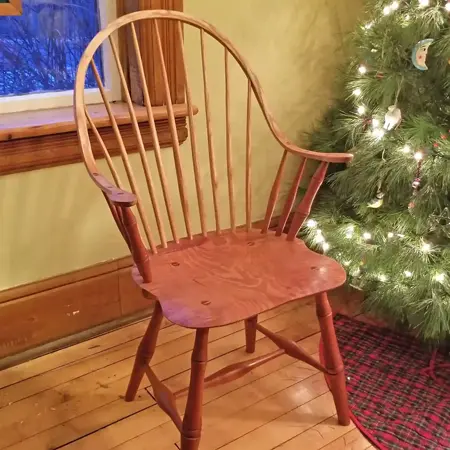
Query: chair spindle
point(155, 139)
point(105, 152)
point(212, 162)
point(248, 160)
point(192, 135)
point(173, 130)
point(228, 145)
point(291, 198)
point(140, 142)
point(125, 159)
point(275, 192)
point(304, 208)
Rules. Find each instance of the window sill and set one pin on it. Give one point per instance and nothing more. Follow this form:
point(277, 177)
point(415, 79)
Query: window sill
point(36, 139)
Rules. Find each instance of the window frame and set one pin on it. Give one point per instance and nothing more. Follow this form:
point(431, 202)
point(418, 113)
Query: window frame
point(60, 99)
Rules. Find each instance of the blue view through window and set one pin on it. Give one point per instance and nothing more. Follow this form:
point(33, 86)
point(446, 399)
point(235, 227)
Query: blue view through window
point(40, 50)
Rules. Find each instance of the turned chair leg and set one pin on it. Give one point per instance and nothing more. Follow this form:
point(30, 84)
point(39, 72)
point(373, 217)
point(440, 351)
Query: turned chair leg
point(145, 352)
point(333, 359)
point(250, 334)
point(192, 422)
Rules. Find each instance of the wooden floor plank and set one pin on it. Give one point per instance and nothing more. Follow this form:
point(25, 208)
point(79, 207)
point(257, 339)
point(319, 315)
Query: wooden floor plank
point(81, 395)
point(318, 436)
point(74, 397)
point(353, 440)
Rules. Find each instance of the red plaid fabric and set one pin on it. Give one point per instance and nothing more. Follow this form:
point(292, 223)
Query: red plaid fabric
point(399, 390)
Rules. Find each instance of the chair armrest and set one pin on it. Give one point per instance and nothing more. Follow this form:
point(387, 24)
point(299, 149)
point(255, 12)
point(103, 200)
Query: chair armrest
point(317, 156)
point(117, 196)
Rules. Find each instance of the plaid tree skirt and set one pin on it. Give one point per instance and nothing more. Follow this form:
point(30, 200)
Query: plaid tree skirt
point(399, 390)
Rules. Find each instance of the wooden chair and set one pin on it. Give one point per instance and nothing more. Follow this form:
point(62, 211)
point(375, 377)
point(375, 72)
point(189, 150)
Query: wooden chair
point(213, 278)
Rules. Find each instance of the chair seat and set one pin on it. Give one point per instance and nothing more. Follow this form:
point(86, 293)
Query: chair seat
point(232, 277)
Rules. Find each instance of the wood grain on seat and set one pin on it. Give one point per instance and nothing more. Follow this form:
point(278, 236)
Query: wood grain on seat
point(236, 276)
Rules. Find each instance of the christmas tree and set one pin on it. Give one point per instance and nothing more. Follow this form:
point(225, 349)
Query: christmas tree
point(386, 216)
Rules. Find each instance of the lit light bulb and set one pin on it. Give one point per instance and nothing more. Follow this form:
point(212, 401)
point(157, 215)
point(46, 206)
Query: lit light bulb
point(375, 123)
point(367, 236)
point(406, 149)
point(401, 236)
point(378, 133)
point(423, 3)
point(319, 232)
point(390, 235)
point(426, 247)
point(408, 274)
point(373, 50)
point(325, 246)
point(394, 6)
point(361, 110)
point(382, 278)
point(386, 10)
point(347, 263)
point(349, 235)
point(351, 228)
point(440, 277)
point(357, 92)
point(418, 156)
point(362, 70)
point(447, 6)
point(311, 223)
point(368, 26)
point(407, 17)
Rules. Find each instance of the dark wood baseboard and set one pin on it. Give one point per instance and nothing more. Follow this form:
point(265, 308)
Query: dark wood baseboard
point(64, 305)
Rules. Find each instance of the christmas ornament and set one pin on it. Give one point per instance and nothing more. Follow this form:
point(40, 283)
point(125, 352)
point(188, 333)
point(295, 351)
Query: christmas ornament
point(392, 118)
point(377, 202)
point(419, 54)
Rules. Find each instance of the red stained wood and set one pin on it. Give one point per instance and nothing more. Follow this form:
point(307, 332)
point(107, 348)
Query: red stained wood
point(236, 276)
point(218, 278)
point(333, 359)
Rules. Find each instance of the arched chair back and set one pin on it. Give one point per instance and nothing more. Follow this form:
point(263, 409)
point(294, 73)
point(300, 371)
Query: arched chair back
point(148, 187)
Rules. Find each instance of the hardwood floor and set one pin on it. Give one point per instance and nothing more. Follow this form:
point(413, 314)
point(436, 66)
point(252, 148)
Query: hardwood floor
point(73, 398)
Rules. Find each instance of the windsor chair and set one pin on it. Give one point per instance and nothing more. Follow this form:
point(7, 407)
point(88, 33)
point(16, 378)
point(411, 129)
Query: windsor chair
point(220, 276)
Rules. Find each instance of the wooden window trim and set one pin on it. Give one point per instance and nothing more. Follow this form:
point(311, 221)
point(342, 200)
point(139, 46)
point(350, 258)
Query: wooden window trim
point(46, 138)
point(13, 8)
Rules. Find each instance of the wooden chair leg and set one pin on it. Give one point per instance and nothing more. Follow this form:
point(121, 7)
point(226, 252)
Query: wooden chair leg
point(333, 359)
point(250, 334)
point(145, 352)
point(192, 422)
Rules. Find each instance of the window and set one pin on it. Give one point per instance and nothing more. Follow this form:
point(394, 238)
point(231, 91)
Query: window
point(40, 51)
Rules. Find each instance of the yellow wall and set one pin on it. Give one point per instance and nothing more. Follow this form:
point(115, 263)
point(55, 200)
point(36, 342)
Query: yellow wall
point(54, 221)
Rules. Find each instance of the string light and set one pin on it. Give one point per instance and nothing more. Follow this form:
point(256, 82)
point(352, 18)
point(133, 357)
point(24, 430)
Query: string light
point(394, 6)
point(426, 248)
point(423, 3)
point(346, 263)
point(325, 246)
point(368, 26)
point(361, 110)
point(378, 133)
point(367, 236)
point(362, 70)
point(390, 235)
point(319, 237)
point(447, 6)
point(418, 156)
point(311, 223)
point(406, 149)
point(382, 278)
point(349, 232)
point(375, 123)
point(408, 274)
point(440, 277)
point(386, 10)
point(357, 92)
